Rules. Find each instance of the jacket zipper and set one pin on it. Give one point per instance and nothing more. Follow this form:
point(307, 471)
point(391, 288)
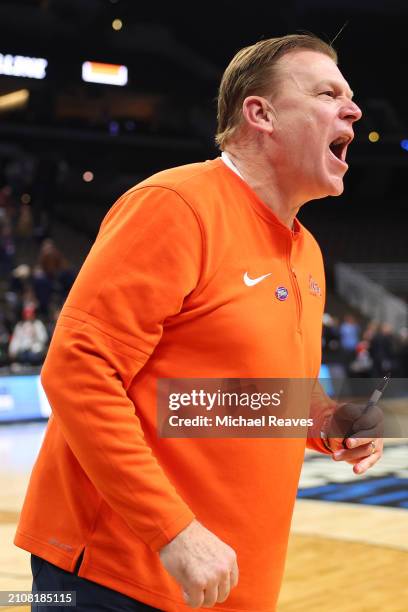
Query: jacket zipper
point(298, 295)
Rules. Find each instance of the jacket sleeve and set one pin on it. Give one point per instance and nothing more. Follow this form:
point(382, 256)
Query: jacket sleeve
point(146, 259)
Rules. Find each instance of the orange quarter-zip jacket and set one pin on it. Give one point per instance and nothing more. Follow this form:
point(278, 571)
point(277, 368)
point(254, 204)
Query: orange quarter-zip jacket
point(162, 294)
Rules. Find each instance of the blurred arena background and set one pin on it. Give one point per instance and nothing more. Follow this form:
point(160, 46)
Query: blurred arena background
point(95, 95)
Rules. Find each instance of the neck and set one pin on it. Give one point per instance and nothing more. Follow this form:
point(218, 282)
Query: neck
point(262, 176)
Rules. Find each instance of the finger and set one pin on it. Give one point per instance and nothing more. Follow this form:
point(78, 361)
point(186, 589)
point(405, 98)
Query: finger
point(224, 589)
point(234, 575)
point(194, 596)
point(352, 455)
point(360, 441)
point(210, 595)
point(367, 463)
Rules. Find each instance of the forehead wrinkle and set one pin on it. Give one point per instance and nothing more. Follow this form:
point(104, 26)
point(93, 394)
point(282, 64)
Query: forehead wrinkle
point(289, 75)
point(304, 80)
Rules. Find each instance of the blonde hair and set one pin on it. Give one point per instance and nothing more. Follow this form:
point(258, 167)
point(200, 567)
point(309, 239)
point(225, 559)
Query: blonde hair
point(253, 71)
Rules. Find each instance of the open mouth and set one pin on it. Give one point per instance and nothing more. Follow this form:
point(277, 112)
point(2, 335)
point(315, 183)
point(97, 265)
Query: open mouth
point(339, 147)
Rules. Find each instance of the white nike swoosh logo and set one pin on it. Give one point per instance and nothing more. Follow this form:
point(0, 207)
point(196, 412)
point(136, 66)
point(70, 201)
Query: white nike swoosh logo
point(250, 282)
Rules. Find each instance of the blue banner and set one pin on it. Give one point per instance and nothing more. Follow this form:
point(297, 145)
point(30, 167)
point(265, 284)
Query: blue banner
point(22, 398)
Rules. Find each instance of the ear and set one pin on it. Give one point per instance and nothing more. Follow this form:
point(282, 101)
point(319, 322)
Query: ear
point(258, 114)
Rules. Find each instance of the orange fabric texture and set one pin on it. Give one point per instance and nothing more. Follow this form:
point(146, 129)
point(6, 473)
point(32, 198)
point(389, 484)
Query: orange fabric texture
point(161, 295)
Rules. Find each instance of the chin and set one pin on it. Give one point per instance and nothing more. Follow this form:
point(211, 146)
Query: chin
point(335, 187)
point(328, 190)
point(335, 191)
point(338, 188)
point(326, 186)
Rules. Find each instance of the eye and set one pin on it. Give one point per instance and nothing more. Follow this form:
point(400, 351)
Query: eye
point(329, 93)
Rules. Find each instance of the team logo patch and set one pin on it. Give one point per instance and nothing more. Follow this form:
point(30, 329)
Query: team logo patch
point(281, 293)
point(314, 288)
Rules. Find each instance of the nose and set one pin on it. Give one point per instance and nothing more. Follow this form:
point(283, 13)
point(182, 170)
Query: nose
point(351, 111)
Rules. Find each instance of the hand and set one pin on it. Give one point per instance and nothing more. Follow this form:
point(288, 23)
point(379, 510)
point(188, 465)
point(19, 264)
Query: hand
point(366, 431)
point(360, 453)
point(204, 566)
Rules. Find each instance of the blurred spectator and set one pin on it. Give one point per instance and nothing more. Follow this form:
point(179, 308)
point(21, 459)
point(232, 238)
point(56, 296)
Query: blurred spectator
point(7, 248)
point(43, 287)
point(29, 300)
point(349, 333)
point(53, 321)
point(402, 352)
point(370, 331)
point(362, 365)
point(6, 201)
point(50, 260)
point(29, 339)
point(4, 341)
point(349, 338)
point(19, 283)
point(20, 278)
point(25, 226)
point(383, 351)
point(331, 339)
point(53, 274)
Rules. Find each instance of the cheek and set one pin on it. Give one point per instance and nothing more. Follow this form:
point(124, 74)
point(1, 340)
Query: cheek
point(298, 133)
point(309, 133)
point(302, 137)
point(310, 141)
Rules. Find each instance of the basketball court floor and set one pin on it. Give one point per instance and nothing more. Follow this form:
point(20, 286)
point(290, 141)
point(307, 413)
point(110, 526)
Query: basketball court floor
point(348, 550)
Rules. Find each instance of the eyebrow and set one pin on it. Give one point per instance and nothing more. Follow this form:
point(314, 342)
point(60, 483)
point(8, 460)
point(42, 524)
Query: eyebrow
point(336, 86)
